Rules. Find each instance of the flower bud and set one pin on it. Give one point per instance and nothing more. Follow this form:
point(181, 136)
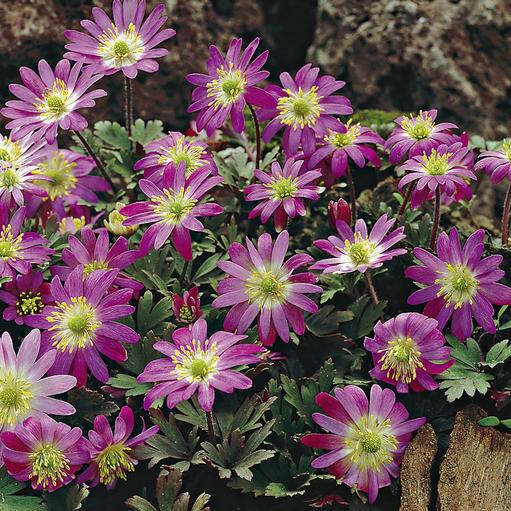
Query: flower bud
point(338, 211)
point(114, 224)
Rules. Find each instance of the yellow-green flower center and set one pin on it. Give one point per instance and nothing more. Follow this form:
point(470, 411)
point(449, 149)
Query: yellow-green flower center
point(10, 152)
point(55, 102)
point(283, 188)
point(186, 314)
point(343, 139)
point(370, 441)
point(266, 288)
point(459, 285)
point(120, 49)
point(29, 303)
point(228, 87)
point(300, 109)
point(360, 251)
point(182, 151)
point(173, 206)
point(114, 462)
point(10, 245)
point(9, 179)
point(196, 363)
point(93, 266)
point(506, 148)
point(436, 164)
point(49, 465)
point(401, 359)
point(418, 127)
point(61, 172)
point(15, 399)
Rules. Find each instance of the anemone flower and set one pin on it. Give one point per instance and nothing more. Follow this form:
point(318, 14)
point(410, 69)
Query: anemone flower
point(229, 85)
point(173, 208)
point(281, 192)
point(496, 163)
point(406, 350)
point(45, 452)
point(366, 438)
point(23, 390)
point(458, 284)
point(305, 109)
point(127, 44)
point(112, 455)
point(186, 308)
point(50, 99)
point(261, 285)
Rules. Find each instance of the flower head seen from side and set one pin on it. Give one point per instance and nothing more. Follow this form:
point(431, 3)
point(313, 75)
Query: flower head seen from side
point(415, 135)
point(18, 160)
point(45, 452)
point(497, 163)
point(128, 43)
point(282, 191)
point(81, 324)
point(112, 452)
point(406, 350)
point(446, 168)
point(186, 308)
point(305, 109)
point(23, 390)
point(366, 438)
point(195, 362)
point(260, 284)
point(50, 99)
point(359, 250)
point(115, 222)
point(173, 208)
point(25, 295)
point(19, 250)
point(458, 285)
point(172, 150)
point(337, 211)
point(228, 86)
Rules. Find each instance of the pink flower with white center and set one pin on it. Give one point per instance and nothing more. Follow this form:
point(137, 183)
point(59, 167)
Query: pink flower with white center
point(128, 44)
point(281, 192)
point(305, 109)
point(261, 285)
point(496, 163)
point(50, 99)
point(366, 438)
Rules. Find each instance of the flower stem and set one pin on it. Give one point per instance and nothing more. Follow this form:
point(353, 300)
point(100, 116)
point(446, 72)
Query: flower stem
point(408, 194)
point(436, 220)
point(505, 217)
point(183, 274)
point(95, 157)
point(353, 196)
point(128, 105)
point(211, 428)
point(370, 288)
point(258, 135)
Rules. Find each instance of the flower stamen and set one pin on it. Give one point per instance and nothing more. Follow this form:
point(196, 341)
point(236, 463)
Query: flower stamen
point(300, 109)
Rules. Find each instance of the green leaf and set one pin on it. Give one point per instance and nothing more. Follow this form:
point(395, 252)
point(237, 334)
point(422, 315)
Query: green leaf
point(67, 498)
point(498, 354)
point(365, 315)
point(10, 502)
point(327, 320)
point(467, 354)
point(458, 380)
point(113, 134)
point(491, 420)
point(130, 384)
point(209, 265)
point(506, 423)
point(143, 133)
point(139, 504)
point(150, 314)
point(89, 404)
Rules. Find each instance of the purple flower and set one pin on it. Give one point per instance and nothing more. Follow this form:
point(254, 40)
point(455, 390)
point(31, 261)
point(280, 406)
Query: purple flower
point(173, 208)
point(365, 439)
point(446, 168)
point(359, 251)
point(496, 163)
point(50, 99)
point(458, 283)
point(18, 161)
point(45, 452)
point(23, 390)
point(128, 43)
point(170, 151)
point(112, 455)
point(281, 192)
point(186, 308)
point(229, 86)
point(81, 324)
point(198, 363)
point(305, 109)
point(19, 250)
point(261, 285)
point(406, 350)
point(338, 211)
point(96, 254)
point(338, 146)
point(25, 295)
point(418, 134)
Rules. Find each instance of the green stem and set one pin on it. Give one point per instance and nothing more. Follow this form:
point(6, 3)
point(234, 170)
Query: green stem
point(505, 217)
point(211, 428)
point(370, 288)
point(183, 274)
point(258, 135)
point(128, 105)
point(408, 194)
point(436, 220)
point(353, 196)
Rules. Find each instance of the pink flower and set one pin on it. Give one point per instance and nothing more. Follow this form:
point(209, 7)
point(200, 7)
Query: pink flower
point(187, 308)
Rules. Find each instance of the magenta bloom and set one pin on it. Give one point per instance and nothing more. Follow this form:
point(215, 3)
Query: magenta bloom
point(305, 109)
point(359, 251)
point(187, 308)
point(345, 143)
point(365, 439)
point(45, 452)
point(229, 85)
point(19, 250)
point(112, 456)
point(281, 192)
point(23, 389)
point(406, 350)
point(198, 363)
point(128, 43)
point(50, 99)
point(25, 295)
point(261, 285)
point(418, 134)
point(173, 208)
point(81, 324)
point(96, 254)
point(496, 163)
point(446, 168)
point(458, 283)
